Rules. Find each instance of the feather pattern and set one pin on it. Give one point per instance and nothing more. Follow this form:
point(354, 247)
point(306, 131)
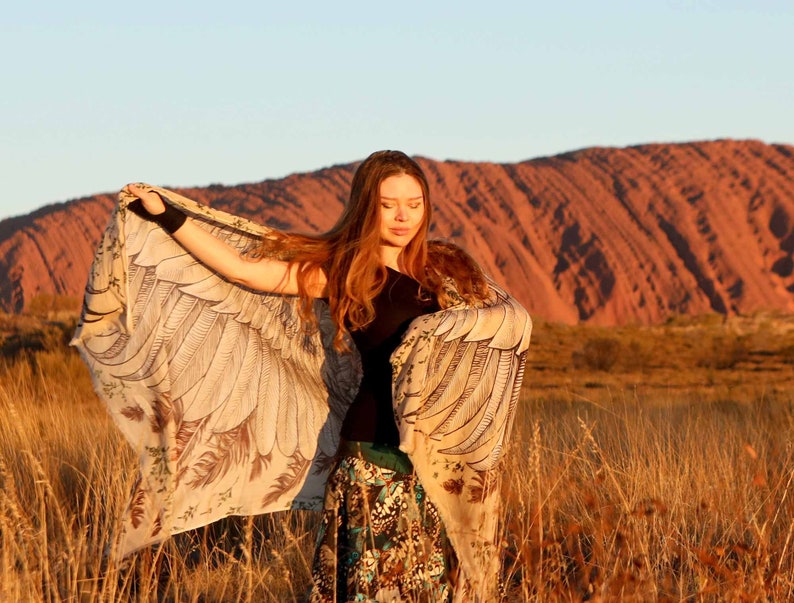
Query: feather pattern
point(235, 408)
point(474, 354)
point(246, 382)
point(456, 385)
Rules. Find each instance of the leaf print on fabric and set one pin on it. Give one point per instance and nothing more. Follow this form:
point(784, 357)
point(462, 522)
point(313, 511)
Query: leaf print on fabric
point(227, 450)
point(188, 433)
point(162, 414)
point(227, 380)
point(287, 480)
point(453, 486)
point(485, 484)
point(133, 413)
point(157, 527)
point(259, 465)
point(136, 506)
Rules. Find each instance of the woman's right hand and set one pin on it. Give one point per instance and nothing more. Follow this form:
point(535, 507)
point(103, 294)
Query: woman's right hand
point(152, 202)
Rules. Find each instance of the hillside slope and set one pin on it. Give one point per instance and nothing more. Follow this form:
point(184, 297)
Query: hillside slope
point(605, 235)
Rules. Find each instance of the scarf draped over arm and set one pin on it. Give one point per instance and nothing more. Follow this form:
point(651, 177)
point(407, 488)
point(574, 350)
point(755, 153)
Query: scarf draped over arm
point(232, 406)
point(235, 408)
point(457, 377)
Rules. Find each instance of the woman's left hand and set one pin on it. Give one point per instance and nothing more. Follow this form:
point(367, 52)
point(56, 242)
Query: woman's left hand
point(152, 202)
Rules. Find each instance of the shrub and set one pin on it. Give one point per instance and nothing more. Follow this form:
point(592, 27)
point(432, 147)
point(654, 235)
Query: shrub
point(724, 353)
point(638, 356)
point(45, 336)
point(787, 354)
point(598, 354)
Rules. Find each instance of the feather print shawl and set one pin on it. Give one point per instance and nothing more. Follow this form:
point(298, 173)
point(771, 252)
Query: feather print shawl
point(235, 409)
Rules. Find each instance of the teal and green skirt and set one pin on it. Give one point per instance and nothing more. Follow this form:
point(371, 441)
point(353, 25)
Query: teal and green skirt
point(380, 539)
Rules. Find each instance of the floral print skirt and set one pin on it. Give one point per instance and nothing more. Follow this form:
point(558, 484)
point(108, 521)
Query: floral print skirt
point(380, 539)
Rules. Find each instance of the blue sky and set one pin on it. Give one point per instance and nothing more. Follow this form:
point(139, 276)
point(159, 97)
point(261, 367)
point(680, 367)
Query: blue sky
point(97, 94)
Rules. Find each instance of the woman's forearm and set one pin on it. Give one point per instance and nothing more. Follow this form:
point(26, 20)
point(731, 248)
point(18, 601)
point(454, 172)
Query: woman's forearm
point(273, 276)
point(268, 275)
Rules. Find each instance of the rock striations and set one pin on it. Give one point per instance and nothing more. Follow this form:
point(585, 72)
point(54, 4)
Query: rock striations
point(604, 235)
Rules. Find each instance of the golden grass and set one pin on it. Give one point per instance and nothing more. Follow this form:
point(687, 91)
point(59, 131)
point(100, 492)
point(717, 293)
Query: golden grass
point(667, 477)
point(619, 500)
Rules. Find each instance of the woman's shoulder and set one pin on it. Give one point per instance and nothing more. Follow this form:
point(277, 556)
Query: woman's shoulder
point(450, 259)
point(446, 253)
point(453, 265)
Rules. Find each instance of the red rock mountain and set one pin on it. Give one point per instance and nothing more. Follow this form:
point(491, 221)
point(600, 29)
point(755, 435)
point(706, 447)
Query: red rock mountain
point(608, 235)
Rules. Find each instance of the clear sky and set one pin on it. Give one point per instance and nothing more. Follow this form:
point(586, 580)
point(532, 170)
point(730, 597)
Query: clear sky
point(97, 94)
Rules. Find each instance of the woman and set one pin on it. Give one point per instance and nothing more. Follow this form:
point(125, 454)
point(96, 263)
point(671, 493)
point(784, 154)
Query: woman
point(442, 355)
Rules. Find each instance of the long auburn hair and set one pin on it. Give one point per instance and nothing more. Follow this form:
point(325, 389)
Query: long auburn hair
point(349, 253)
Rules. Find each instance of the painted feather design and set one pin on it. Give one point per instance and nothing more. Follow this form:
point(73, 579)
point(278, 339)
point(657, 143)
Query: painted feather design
point(464, 395)
point(236, 409)
point(227, 382)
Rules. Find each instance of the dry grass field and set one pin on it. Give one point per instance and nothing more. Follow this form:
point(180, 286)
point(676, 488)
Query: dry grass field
point(647, 464)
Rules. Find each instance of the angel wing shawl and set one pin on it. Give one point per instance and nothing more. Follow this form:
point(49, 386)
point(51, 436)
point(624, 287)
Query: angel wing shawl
point(233, 407)
point(457, 376)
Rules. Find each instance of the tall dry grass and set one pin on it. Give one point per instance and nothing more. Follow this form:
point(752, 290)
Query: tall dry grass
point(65, 474)
point(622, 498)
point(654, 477)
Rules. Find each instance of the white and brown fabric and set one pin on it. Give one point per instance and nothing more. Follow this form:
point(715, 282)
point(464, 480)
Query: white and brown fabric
point(235, 408)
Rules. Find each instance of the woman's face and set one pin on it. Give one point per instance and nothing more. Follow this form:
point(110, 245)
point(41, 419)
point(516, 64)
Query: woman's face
point(402, 211)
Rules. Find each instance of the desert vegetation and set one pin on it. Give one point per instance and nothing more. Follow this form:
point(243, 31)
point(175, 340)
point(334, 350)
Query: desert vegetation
point(647, 464)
